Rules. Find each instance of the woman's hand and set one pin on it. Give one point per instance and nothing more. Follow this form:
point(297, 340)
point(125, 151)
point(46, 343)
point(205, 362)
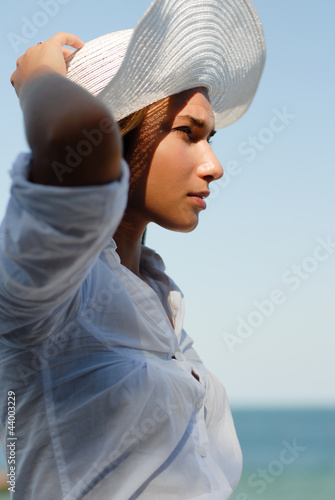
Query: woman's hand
point(57, 115)
point(44, 57)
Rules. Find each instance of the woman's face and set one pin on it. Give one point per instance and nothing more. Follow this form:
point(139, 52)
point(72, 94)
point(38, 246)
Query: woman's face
point(178, 163)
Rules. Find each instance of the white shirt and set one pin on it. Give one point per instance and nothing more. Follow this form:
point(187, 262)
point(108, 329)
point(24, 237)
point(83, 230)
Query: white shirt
point(107, 406)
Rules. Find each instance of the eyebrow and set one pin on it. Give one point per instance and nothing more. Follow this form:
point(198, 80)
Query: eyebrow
point(197, 122)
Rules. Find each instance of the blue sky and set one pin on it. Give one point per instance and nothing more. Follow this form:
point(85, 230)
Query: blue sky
point(258, 273)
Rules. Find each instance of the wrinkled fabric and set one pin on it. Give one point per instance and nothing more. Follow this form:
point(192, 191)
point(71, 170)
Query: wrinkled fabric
point(112, 402)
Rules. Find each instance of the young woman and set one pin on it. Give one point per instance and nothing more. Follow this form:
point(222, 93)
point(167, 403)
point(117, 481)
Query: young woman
point(111, 399)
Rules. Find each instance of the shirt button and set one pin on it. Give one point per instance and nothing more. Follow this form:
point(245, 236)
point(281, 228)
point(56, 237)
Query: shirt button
point(199, 403)
point(178, 355)
point(202, 452)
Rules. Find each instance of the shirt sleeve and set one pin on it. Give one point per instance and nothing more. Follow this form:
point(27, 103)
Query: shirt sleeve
point(50, 238)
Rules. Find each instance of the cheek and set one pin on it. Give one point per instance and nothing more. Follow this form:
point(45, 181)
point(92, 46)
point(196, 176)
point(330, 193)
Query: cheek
point(170, 163)
point(163, 175)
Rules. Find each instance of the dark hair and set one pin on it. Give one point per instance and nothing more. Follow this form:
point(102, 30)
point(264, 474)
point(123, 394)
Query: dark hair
point(140, 143)
point(132, 121)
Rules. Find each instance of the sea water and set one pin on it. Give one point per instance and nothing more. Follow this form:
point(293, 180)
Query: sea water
point(288, 455)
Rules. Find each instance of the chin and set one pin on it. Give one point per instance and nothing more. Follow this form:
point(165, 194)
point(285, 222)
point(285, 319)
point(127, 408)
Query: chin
point(179, 227)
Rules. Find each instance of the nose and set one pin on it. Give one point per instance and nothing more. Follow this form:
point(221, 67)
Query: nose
point(210, 168)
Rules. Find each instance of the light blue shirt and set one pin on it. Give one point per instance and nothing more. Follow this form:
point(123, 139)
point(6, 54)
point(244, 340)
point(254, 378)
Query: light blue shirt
point(112, 402)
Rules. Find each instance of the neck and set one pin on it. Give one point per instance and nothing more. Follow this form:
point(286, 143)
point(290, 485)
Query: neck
point(128, 240)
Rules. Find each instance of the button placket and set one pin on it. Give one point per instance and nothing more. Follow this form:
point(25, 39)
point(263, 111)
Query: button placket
point(203, 444)
point(178, 356)
point(199, 403)
point(202, 452)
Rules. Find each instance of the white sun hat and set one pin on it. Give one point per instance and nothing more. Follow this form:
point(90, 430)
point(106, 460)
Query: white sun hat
point(177, 45)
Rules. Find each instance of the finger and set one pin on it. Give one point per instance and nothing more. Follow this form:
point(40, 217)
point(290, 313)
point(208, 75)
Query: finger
point(19, 61)
point(12, 81)
point(68, 39)
point(67, 52)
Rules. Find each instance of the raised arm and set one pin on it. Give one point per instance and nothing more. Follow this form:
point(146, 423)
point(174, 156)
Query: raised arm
point(73, 137)
point(67, 197)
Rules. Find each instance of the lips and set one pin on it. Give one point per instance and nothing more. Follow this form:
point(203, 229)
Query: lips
point(199, 198)
point(202, 194)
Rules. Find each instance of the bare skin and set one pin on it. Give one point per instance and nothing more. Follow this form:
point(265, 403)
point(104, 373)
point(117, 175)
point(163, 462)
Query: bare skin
point(181, 164)
point(176, 171)
point(56, 111)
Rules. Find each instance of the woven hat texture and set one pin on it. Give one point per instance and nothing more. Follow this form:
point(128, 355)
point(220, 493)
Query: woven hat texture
point(177, 45)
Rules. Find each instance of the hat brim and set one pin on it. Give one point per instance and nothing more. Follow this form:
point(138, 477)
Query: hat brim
point(178, 45)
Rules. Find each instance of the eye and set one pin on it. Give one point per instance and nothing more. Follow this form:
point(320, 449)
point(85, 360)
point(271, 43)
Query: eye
point(209, 140)
point(187, 130)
